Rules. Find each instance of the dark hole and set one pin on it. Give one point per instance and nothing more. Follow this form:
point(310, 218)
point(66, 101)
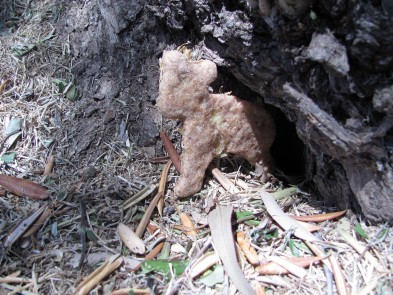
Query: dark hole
point(288, 150)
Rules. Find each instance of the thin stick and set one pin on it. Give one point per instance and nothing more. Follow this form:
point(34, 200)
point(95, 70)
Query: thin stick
point(146, 218)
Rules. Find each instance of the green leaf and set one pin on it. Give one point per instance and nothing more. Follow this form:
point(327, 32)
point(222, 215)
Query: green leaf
point(49, 181)
point(91, 235)
point(360, 231)
point(252, 222)
point(243, 214)
point(21, 50)
point(47, 37)
point(285, 193)
point(268, 234)
point(247, 214)
point(123, 102)
point(72, 92)
point(213, 277)
point(8, 157)
point(303, 247)
point(313, 15)
point(382, 234)
point(293, 248)
point(164, 266)
point(62, 195)
point(60, 83)
point(47, 142)
point(67, 88)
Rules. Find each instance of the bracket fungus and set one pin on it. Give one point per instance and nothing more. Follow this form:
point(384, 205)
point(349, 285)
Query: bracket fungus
point(212, 123)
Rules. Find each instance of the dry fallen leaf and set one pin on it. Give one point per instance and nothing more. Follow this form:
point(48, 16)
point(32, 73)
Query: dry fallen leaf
point(221, 231)
point(273, 268)
point(22, 227)
point(146, 217)
point(319, 217)
point(127, 291)
point(308, 226)
point(203, 264)
point(171, 150)
point(247, 249)
point(187, 223)
point(49, 166)
point(23, 187)
point(100, 273)
point(161, 187)
point(284, 220)
point(289, 266)
point(338, 276)
point(38, 223)
point(130, 239)
point(3, 85)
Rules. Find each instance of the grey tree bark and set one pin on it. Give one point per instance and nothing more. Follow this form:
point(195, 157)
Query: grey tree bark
point(327, 65)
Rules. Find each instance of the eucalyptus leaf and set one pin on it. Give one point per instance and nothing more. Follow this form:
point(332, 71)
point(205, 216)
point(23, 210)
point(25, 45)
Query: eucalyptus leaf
point(51, 35)
point(164, 266)
point(91, 235)
point(293, 248)
point(8, 157)
point(14, 126)
point(243, 214)
point(13, 138)
point(60, 83)
point(21, 50)
point(62, 196)
point(213, 277)
point(47, 142)
point(360, 231)
point(72, 92)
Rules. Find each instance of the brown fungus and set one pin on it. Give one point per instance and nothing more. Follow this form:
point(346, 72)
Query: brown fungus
point(212, 123)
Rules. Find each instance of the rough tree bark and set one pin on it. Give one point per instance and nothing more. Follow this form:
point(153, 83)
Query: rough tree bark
point(326, 65)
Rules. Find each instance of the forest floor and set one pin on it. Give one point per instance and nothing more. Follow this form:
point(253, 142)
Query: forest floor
point(90, 197)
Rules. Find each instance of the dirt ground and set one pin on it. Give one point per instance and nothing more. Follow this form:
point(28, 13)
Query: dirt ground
point(104, 156)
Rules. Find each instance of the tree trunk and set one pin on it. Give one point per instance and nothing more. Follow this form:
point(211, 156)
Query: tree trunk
point(327, 66)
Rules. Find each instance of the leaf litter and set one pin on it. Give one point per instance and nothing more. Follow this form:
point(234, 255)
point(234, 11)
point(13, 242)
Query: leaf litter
point(40, 237)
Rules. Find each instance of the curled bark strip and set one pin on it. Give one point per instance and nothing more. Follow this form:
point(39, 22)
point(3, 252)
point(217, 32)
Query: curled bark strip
point(23, 188)
point(171, 150)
